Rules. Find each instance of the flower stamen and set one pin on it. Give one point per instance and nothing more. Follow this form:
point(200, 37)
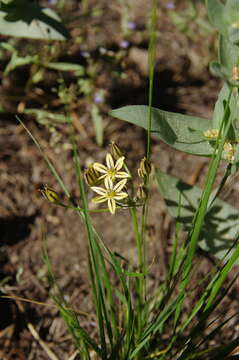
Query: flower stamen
point(111, 193)
point(111, 170)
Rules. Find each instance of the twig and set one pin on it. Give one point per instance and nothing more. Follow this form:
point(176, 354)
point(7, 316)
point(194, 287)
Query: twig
point(73, 356)
point(36, 336)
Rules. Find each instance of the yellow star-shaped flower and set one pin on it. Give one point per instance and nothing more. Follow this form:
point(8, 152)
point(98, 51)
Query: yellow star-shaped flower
point(111, 193)
point(111, 170)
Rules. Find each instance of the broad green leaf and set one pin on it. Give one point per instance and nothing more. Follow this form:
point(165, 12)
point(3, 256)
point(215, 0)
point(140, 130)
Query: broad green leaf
point(231, 16)
point(221, 226)
point(233, 35)
point(23, 18)
point(216, 69)
point(219, 111)
point(219, 108)
point(228, 55)
point(215, 10)
point(231, 11)
point(183, 132)
point(5, 1)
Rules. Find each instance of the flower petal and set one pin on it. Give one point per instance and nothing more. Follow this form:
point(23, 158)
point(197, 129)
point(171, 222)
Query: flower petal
point(119, 186)
point(109, 161)
point(121, 195)
point(119, 163)
point(100, 167)
point(112, 206)
point(108, 184)
point(99, 190)
point(122, 174)
point(102, 176)
point(99, 199)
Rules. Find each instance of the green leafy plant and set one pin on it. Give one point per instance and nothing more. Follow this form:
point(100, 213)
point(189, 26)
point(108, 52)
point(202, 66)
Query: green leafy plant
point(25, 18)
point(132, 321)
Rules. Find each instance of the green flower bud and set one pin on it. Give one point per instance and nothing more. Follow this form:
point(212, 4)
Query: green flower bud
point(211, 134)
point(50, 194)
point(144, 168)
point(229, 150)
point(115, 151)
point(92, 176)
point(235, 73)
point(142, 193)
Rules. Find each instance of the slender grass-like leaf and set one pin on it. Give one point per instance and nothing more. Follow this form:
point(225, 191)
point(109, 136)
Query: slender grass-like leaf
point(197, 222)
point(217, 328)
point(155, 325)
point(94, 250)
point(174, 259)
point(80, 336)
point(94, 259)
point(152, 61)
point(205, 313)
point(223, 275)
point(47, 160)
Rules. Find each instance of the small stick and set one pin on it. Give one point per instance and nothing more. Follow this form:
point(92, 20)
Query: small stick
point(36, 336)
point(73, 356)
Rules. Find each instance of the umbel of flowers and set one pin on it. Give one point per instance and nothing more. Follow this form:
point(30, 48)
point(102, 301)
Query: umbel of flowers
point(229, 146)
point(113, 180)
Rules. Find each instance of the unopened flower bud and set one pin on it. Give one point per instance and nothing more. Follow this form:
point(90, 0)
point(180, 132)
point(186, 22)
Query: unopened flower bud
point(235, 73)
point(92, 176)
point(235, 25)
point(142, 193)
point(115, 151)
point(144, 168)
point(229, 150)
point(50, 194)
point(211, 134)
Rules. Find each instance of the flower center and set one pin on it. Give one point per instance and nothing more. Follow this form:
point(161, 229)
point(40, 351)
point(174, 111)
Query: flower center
point(111, 173)
point(110, 194)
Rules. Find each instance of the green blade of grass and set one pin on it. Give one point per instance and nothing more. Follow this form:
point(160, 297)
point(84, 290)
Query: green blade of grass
point(85, 215)
point(47, 160)
point(222, 277)
point(201, 325)
point(152, 61)
point(95, 268)
point(155, 325)
point(80, 336)
point(202, 208)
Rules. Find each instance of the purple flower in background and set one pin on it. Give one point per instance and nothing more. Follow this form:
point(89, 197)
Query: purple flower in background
point(131, 25)
point(51, 2)
point(85, 54)
point(98, 98)
point(124, 44)
point(170, 5)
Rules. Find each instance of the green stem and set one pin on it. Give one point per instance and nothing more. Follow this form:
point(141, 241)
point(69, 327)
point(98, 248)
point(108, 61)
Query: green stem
point(152, 58)
point(79, 209)
point(140, 280)
point(203, 206)
point(137, 237)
